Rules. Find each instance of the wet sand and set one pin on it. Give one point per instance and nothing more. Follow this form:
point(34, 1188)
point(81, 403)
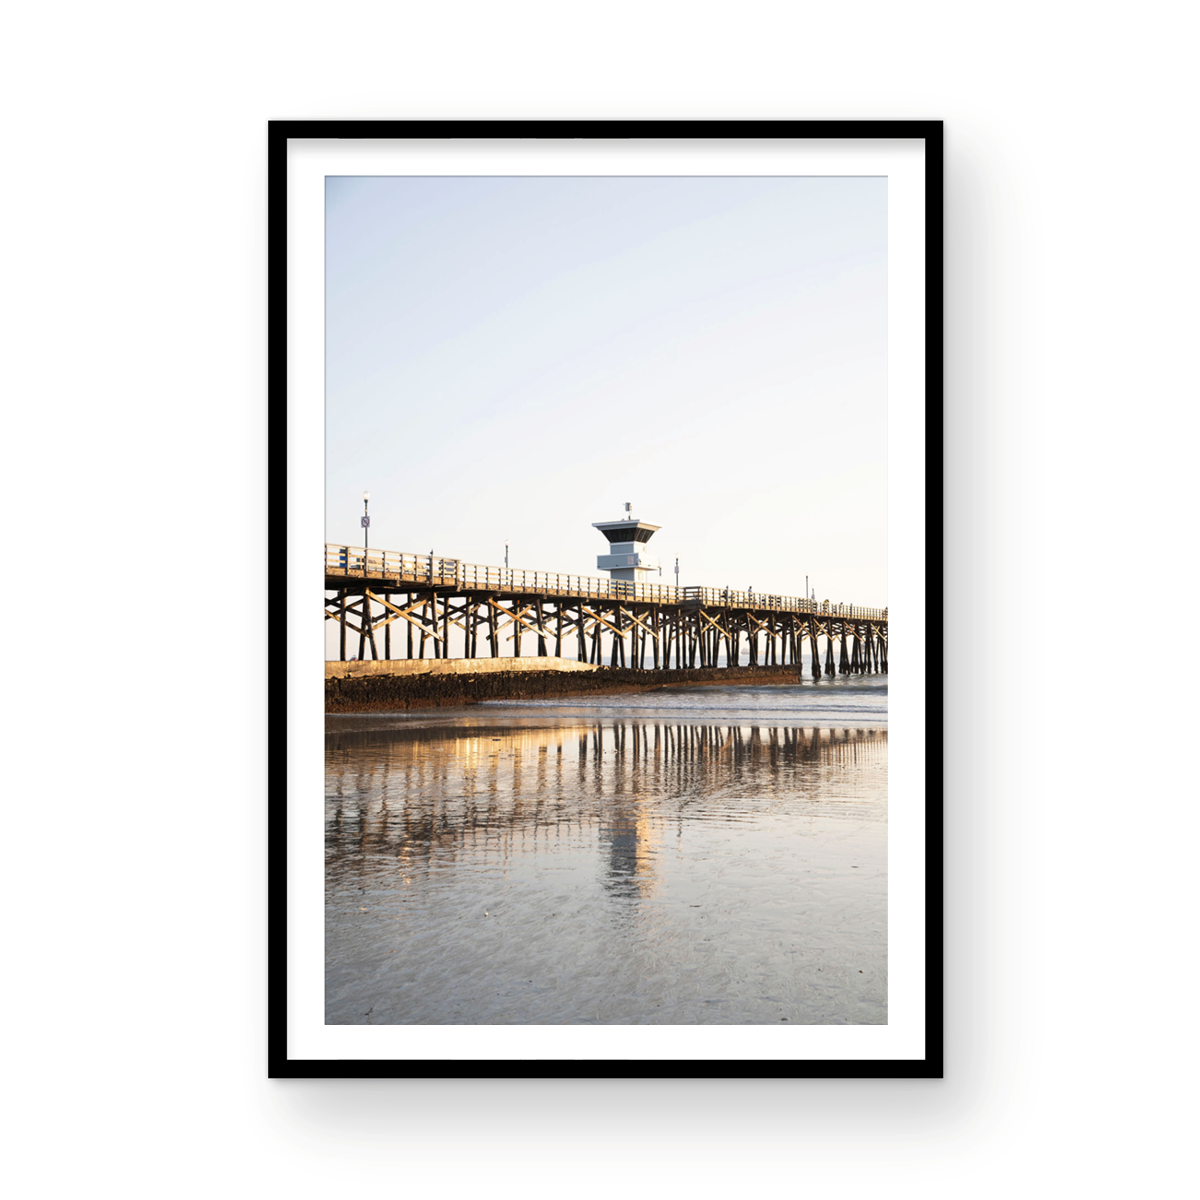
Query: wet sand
point(718, 856)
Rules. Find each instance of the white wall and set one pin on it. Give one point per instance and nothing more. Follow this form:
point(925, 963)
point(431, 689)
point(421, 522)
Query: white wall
point(134, 309)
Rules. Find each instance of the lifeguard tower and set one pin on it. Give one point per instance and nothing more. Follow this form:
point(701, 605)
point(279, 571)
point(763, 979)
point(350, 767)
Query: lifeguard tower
point(627, 557)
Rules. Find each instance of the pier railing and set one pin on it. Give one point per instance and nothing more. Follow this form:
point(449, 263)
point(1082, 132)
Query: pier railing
point(390, 567)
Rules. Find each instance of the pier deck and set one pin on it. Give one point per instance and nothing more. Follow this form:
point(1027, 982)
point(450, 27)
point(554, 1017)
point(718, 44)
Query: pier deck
point(442, 601)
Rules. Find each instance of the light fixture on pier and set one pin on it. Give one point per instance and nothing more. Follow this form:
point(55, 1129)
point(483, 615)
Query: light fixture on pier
point(366, 527)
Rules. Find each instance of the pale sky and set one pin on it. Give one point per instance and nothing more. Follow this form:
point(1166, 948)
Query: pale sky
point(514, 358)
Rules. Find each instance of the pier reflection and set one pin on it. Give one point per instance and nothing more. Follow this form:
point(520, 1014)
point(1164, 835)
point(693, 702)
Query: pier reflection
point(604, 870)
point(425, 797)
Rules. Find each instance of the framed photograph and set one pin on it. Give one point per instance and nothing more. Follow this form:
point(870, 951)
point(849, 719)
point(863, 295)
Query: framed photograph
point(619, 447)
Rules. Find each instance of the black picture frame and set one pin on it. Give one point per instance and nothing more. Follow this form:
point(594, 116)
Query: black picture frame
point(280, 1065)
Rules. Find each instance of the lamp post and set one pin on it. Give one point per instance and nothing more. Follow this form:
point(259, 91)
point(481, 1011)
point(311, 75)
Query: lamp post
point(366, 630)
point(366, 528)
point(677, 570)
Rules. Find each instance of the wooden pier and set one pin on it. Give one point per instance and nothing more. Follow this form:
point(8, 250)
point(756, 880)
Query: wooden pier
point(448, 608)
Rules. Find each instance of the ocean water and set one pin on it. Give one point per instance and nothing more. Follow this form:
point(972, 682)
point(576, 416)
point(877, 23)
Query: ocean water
point(698, 855)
